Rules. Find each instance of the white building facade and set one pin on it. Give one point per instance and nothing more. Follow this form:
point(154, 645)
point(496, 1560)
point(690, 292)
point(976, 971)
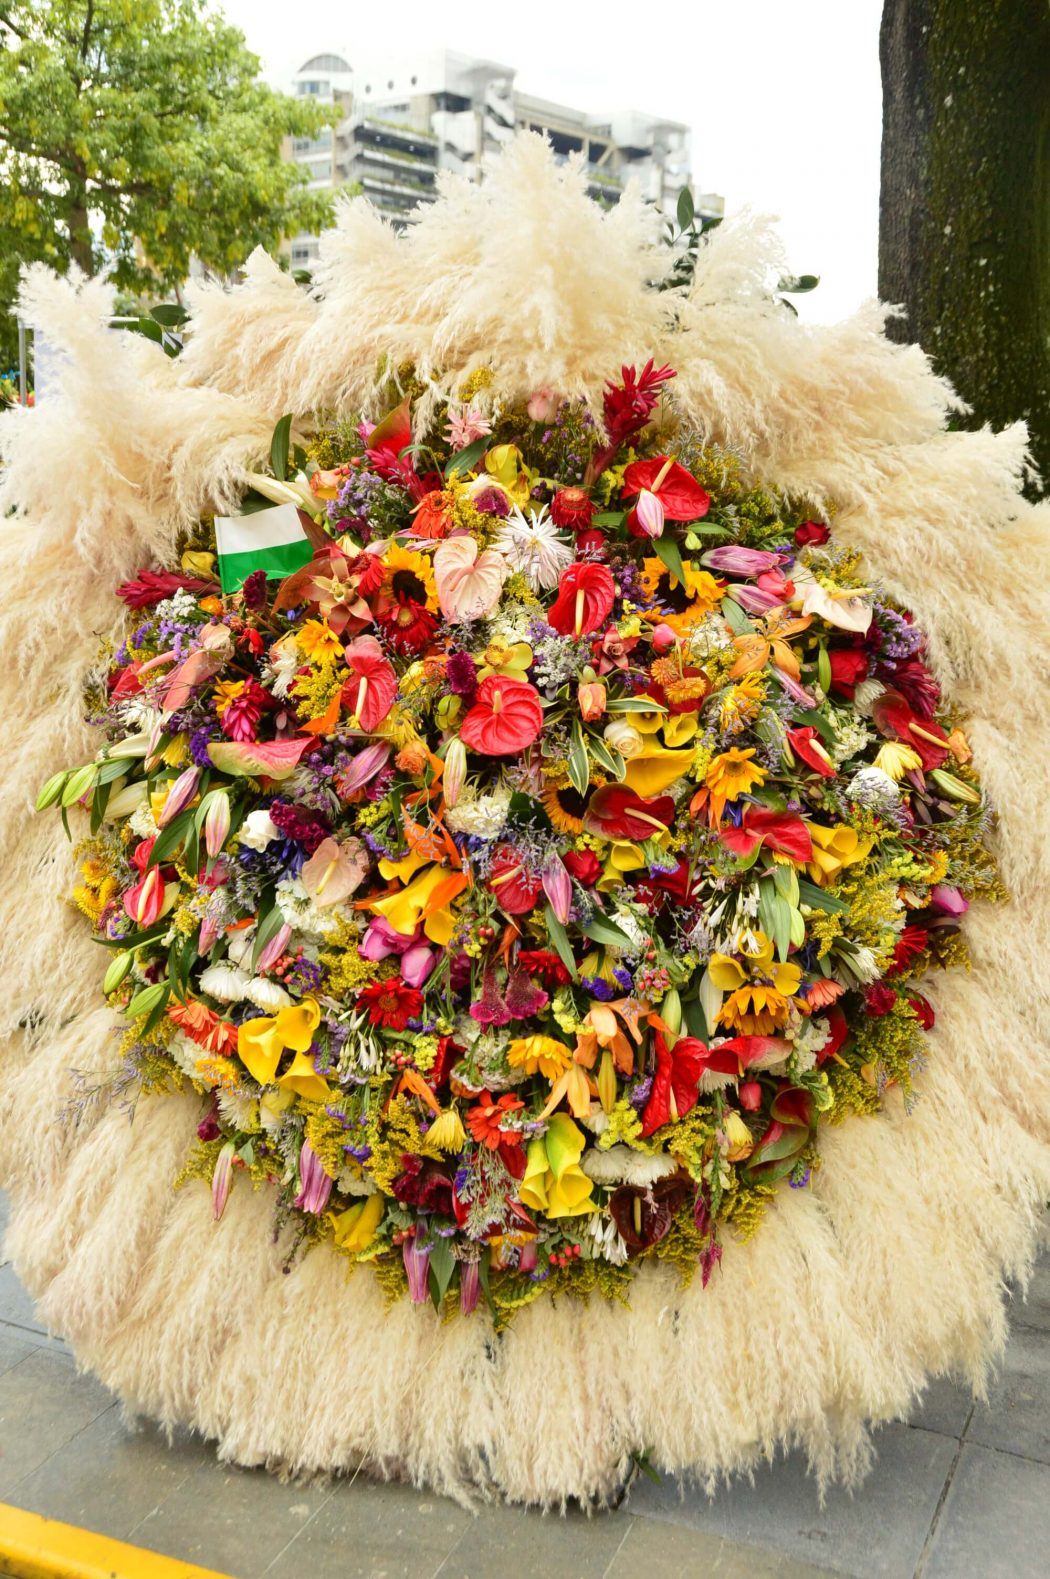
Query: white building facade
point(405, 118)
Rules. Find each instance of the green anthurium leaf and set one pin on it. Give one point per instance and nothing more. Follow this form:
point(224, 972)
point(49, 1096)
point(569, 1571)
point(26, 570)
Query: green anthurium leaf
point(442, 1266)
point(819, 898)
point(279, 447)
point(604, 931)
point(560, 938)
point(463, 460)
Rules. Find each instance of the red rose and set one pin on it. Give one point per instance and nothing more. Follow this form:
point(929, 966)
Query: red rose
point(811, 534)
point(879, 1000)
point(584, 865)
point(848, 667)
point(572, 508)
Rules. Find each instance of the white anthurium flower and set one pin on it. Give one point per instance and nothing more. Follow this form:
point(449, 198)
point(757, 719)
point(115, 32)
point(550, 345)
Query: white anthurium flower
point(265, 994)
point(845, 607)
point(258, 830)
point(532, 545)
point(225, 982)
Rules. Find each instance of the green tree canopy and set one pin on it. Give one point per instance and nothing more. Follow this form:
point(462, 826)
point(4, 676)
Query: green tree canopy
point(136, 133)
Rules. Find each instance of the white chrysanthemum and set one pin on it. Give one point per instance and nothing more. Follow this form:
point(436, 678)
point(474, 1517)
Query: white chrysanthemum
point(283, 661)
point(142, 821)
point(483, 817)
point(224, 982)
point(812, 1037)
point(237, 1108)
point(533, 545)
point(622, 1165)
point(300, 912)
point(866, 694)
point(258, 830)
point(194, 1061)
point(239, 948)
point(267, 995)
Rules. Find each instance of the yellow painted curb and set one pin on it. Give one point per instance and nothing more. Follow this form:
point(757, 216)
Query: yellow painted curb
point(32, 1547)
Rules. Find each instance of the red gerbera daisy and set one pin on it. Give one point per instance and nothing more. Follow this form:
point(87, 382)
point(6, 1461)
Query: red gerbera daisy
point(390, 1004)
point(408, 625)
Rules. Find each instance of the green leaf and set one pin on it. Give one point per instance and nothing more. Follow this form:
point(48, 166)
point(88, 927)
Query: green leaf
point(442, 1266)
point(579, 762)
point(609, 518)
point(799, 284)
point(113, 768)
point(606, 758)
point(604, 931)
point(98, 806)
point(735, 617)
point(819, 899)
point(560, 938)
point(634, 704)
point(463, 460)
point(785, 881)
point(279, 447)
point(667, 550)
point(169, 314)
point(814, 717)
point(684, 209)
point(169, 839)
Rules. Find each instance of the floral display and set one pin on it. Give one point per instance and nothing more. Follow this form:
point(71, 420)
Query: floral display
point(523, 881)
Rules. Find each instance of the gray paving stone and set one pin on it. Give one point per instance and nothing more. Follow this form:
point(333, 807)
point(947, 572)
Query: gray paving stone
point(43, 1404)
point(946, 1406)
point(534, 1546)
point(110, 1476)
point(1035, 1310)
point(880, 1530)
point(234, 1520)
point(14, 1347)
point(995, 1523)
point(373, 1530)
point(668, 1551)
point(16, 1307)
point(1016, 1417)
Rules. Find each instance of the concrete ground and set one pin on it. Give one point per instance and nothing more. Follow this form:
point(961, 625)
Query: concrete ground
point(958, 1490)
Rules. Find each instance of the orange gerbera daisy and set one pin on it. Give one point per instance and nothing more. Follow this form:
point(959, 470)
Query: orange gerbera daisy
point(203, 1026)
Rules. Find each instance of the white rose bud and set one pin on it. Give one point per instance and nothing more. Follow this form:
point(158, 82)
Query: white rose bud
point(624, 738)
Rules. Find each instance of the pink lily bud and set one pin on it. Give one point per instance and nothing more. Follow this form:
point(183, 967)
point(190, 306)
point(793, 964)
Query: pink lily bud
point(591, 695)
point(275, 948)
point(365, 766)
point(315, 1184)
point(217, 822)
point(179, 796)
point(557, 885)
point(949, 901)
point(739, 561)
point(221, 1179)
point(455, 774)
point(145, 902)
point(417, 1266)
point(529, 1256)
point(649, 513)
point(208, 934)
point(469, 1284)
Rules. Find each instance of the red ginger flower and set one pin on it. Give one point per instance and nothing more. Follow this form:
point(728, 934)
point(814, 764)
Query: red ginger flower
point(507, 716)
point(629, 405)
point(586, 593)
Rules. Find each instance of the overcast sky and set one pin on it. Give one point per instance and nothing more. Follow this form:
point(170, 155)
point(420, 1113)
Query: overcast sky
point(784, 99)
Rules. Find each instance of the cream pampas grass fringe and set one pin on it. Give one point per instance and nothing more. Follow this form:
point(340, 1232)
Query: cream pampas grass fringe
point(892, 1267)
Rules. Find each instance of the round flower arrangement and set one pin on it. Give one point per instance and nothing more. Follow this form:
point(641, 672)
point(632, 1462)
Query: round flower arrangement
point(525, 878)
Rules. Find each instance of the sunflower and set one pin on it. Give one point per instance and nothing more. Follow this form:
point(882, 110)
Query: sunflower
point(682, 605)
point(564, 806)
point(408, 576)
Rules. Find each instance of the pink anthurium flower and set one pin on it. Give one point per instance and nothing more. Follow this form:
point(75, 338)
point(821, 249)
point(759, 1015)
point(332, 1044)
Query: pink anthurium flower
point(468, 582)
point(335, 870)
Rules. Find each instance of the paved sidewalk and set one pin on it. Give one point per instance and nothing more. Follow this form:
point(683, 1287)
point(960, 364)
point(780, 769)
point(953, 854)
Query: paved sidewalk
point(959, 1490)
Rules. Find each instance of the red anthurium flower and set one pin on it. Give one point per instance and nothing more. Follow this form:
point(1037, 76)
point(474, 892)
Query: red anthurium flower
point(809, 748)
point(616, 812)
point(676, 1083)
point(516, 892)
point(370, 694)
point(780, 831)
point(507, 716)
point(836, 1019)
point(586, 593)
point(145, 902)
point(893, 717)
point(681, 495)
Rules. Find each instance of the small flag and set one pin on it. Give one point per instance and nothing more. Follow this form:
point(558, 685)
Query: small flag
point(271, 540)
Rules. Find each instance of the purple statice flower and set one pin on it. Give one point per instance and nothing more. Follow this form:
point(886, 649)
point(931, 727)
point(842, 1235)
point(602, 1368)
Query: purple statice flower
point(199, 742)
point(138, 636)
point(305, 976)
point(598, 988)
point(359, 1153)
point(120, 657)
point(799, 1179)
point(638, 1095)
point(624, 979)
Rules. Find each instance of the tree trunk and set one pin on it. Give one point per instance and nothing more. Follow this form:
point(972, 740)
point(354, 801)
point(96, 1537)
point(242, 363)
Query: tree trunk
point(964, 217)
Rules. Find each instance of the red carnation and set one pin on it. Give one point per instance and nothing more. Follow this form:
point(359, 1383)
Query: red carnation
point(848, 667)
point(550, 968)
point(584, 865)
point(811, 534)
point(586, 594)
point(507, 716)
point(572, 509)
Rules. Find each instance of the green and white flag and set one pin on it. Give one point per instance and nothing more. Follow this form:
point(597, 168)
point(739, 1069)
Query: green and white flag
point(271, 540)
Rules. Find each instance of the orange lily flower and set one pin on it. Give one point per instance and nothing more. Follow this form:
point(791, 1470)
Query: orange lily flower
point(769, 644)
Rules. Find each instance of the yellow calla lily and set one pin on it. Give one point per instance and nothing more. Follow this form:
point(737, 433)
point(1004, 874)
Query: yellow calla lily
point(647, 723)
point(679, 728)
point(440, 926)
point(503, 463)
point(303, 1079)
point(834, 849)
point(355, 1228)
point(427, 895)
point(656, 769)
point(554, 1182)
point(261, 1042)
point(404, 869)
